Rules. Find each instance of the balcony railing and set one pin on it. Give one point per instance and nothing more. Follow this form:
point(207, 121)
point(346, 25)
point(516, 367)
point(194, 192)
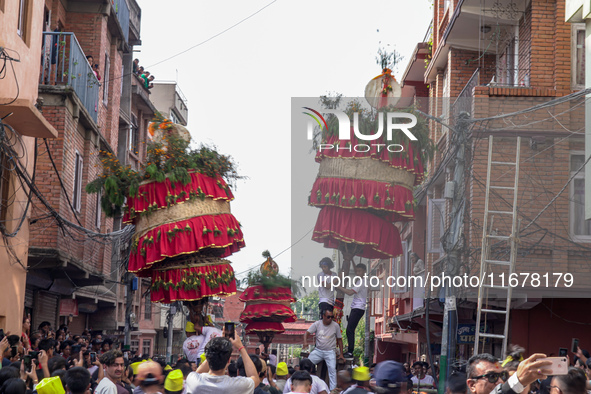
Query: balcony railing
point(465, 101)
point(63, 63)
point(122, 11)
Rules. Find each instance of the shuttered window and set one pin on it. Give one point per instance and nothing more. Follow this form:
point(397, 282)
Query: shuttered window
point(77, 200)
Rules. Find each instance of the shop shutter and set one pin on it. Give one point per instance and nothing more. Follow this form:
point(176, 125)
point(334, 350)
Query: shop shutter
point(78, 324)
point(29, 298)
point(45, 308)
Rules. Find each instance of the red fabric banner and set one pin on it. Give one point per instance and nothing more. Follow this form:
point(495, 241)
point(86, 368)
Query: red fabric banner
point(260, 293)
point(391, 202)
point(335, 226)
point(158, 195)
point(186, 237)
point(193, 283)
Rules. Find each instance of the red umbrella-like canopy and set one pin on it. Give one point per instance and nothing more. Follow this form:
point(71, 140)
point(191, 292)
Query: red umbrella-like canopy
point(267, 302)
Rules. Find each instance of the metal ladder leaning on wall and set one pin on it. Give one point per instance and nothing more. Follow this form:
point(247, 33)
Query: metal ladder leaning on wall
point(486, 262)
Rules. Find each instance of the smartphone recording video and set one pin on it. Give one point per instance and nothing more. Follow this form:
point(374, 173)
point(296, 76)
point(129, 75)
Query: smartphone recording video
point(28, 360)
point(230, 330)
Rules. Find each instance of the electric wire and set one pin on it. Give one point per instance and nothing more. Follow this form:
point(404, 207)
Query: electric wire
point(59, 178)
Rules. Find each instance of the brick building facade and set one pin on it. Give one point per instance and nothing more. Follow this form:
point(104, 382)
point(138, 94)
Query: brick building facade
point(96, 106)
point(488, 62)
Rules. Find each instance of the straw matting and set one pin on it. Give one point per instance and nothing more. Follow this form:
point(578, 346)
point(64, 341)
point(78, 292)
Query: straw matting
point(367, 169)
point(177, 212)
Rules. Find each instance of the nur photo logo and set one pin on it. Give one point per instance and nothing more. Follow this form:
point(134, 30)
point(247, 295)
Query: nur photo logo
point(388, 122)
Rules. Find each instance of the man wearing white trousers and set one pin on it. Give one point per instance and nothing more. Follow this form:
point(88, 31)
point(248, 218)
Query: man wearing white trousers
point(328, 337)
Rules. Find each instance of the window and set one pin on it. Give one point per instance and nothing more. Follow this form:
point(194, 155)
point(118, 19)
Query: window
point(578, 55)
point(173, 117)
point(135, 345)
point(133, 135)
point(99, 210)
point(445, 99)
point(378, 304)
point(106, 79)
point(78, 164)
point(148, 308)
point(579, 227)
point(400, 268)
point(23, 6)
point(435, 225)
point(146, 345)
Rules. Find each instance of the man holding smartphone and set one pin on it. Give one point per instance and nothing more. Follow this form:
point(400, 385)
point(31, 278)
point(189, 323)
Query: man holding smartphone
point(210, 377)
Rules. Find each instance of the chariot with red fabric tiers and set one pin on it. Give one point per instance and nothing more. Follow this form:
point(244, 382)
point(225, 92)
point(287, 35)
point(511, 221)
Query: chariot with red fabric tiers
point(365, 185)
point(267, 302)
point(179, 203)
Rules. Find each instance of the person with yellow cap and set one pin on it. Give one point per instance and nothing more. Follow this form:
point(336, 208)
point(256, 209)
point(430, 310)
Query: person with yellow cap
point(192, 343)
point(361, 378)
point(281, 373)
point(134, 367)
point(174, 383)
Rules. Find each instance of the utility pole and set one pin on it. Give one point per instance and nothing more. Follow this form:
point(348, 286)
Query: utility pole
point(170, 320)
point(452, 245)
point(128, 307)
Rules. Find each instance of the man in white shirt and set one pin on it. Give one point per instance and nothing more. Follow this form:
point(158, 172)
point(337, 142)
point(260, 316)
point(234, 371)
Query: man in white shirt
point(273, 357)
point(325, 293)
point(301, 382)
point(358, 305)
point(206, 334)
point(328, 337)
point(318, 385)
point(210, 377)
point(192, 343)
point(114, 365)
point(420, 378)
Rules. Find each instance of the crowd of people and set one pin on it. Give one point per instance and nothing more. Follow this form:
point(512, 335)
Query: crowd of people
point(143, 74)
point(58, 362)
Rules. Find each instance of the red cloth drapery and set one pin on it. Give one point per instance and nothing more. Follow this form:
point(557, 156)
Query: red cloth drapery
point(379, 238)
point(391, 202)
point(159, 195)
point(186, 237)
point(260, 293)
point(267, 311)
point(192, 283)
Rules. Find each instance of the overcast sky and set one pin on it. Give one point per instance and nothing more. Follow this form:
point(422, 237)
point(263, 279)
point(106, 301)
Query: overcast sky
point(239, 86)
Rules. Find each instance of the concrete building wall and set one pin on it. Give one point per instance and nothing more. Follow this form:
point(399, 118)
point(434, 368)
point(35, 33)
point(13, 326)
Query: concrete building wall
point(19, 95)
point(26, 47)
point(167, 99)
